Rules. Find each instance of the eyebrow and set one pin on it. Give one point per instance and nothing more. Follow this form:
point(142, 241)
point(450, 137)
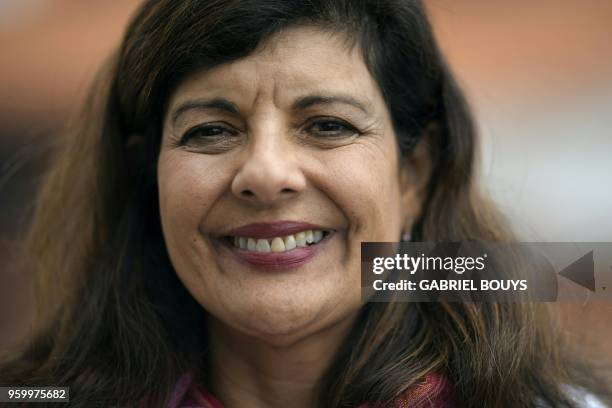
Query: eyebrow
point(300, 104)
point(200, 104)
point(312, 100)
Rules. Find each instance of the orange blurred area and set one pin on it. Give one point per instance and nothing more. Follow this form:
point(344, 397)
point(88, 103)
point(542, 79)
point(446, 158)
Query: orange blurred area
point(538, 75)
point(544, 49)
point(50, 50)
point(538, 49)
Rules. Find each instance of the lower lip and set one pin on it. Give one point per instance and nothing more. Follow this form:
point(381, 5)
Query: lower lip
point(275, 261)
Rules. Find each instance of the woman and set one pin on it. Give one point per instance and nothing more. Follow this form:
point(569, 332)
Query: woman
point(198, 240)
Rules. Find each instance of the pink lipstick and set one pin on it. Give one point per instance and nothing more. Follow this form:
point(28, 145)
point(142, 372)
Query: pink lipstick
point(270, 260)
point(273, 229)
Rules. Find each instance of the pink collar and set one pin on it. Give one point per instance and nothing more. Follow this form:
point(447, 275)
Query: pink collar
point(434, 392)
point(187, 394)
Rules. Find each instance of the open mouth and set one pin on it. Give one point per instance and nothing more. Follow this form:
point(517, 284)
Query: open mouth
point(279, 244)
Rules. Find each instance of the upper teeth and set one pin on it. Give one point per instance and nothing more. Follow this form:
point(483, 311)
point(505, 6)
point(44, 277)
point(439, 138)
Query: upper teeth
point(279, 244)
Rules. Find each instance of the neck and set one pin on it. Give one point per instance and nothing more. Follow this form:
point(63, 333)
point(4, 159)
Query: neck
point(249, 371)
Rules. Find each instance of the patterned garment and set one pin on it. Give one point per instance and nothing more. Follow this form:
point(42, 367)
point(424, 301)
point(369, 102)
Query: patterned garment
point(433, 392)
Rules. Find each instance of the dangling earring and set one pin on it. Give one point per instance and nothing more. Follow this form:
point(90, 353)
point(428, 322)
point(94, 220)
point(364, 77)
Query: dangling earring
point(407, 234)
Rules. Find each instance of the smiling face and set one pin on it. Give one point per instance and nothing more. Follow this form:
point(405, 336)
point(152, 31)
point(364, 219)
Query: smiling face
point(272, 171)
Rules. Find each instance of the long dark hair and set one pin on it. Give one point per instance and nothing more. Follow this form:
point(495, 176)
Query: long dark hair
point(115, 323)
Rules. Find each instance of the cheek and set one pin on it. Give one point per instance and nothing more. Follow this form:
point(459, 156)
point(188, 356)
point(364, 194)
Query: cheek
point(189, 183)
point(179, 191)
point(188, 188)
point(364, 180)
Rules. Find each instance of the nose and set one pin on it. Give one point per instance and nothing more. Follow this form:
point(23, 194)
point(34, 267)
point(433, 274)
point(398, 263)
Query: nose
point(269, 173)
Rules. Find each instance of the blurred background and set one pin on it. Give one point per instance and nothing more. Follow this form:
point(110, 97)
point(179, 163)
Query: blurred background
point(537, 74)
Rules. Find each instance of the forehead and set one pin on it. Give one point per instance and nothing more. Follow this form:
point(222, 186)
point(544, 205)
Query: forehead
point(296, 61)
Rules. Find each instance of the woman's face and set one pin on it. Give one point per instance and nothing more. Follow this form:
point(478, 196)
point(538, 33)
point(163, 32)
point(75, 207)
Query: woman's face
point(273, 169)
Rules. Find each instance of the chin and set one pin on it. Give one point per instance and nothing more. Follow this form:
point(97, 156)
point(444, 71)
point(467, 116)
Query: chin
point(283, 321)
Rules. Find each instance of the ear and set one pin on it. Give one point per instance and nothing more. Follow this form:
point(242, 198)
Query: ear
point(416, 168)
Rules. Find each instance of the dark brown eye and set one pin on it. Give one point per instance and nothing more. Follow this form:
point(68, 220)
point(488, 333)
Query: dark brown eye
point(331, 128)
point(207, 133)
